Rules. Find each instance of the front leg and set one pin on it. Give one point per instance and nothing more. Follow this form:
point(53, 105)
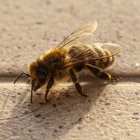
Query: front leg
point(77, 85)
point(50, 83)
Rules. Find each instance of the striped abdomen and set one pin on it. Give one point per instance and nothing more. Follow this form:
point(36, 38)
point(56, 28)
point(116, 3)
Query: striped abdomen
point(99, 52)
point(94, 52)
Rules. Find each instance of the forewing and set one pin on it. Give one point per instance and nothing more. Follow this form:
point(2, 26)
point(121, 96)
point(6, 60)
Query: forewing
point(82, 34)
point(83, 56)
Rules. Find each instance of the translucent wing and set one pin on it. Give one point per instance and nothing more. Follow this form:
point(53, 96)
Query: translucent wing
point(96, 51)
point(83, 33)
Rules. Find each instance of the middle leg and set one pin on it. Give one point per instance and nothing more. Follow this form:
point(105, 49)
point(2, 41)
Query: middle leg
point(50, 83)
point(77, 85)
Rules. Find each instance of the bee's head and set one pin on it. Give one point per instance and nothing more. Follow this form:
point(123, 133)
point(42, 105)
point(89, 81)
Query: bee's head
point(38, 77)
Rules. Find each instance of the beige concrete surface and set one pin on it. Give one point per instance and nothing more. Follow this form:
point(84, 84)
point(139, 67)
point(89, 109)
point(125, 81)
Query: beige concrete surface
point(28, 28)
point(110, 112)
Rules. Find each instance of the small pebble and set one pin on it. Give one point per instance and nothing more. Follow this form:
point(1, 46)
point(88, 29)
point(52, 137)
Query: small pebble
point(55, 130)
point(38, 115)
point(136, 113)
point(41, 103)
point(30, 130)
point(135, 118)
point(107, 103)
point(60, 126)
point(54, 105)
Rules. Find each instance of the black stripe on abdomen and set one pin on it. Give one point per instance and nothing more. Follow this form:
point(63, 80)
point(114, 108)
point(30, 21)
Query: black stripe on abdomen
point(99, 52)
point(108, 60)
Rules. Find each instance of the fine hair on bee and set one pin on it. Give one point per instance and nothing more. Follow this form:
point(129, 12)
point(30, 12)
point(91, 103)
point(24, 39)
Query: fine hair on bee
point(71, 56)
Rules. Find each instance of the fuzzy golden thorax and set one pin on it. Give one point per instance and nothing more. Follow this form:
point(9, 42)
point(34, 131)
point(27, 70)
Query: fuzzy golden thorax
point(47, 65)
point(53, 60)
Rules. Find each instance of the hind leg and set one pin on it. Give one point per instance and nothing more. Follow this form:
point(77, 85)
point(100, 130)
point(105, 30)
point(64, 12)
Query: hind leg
point(100, 73)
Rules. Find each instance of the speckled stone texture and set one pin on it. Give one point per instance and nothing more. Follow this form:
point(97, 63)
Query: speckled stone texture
point(110, 112)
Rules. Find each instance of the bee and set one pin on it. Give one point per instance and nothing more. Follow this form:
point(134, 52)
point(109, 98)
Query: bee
point(70, 57)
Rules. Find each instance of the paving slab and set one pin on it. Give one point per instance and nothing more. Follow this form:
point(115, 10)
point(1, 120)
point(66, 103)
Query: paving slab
point(29, 28)
point(109, 111)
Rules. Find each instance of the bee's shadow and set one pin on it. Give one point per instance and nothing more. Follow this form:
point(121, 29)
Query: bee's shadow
point(66, 107)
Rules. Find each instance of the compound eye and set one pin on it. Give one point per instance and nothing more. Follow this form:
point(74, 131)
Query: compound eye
point(42, 77)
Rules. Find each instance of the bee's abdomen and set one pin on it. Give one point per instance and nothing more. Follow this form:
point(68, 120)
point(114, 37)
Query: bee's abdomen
point(102, 63)
point(94, 52)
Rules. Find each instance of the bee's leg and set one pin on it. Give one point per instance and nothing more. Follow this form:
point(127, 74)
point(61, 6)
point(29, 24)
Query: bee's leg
point(100, 73)
point(50, 83)
point(77, 85)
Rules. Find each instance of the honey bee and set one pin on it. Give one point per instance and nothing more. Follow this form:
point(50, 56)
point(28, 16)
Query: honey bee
point(70, 57)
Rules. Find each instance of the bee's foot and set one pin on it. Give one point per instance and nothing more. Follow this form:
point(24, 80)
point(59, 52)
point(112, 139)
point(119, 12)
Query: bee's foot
point(114, 80)
point(47, 101)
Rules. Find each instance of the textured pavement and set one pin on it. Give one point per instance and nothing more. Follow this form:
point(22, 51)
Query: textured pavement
point(110, 112)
